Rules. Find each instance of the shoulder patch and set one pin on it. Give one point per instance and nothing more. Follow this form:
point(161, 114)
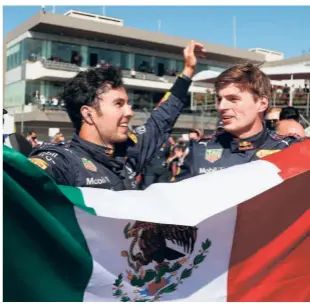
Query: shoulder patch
point(39, 162)
point(163, 99)
point(133, 138)
point(266, 152)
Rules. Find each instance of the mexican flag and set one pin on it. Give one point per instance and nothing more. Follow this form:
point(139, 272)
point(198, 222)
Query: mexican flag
point(240, 234)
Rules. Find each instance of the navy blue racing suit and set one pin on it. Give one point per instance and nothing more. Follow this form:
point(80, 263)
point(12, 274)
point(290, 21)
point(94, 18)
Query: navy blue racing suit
point(222, 150)
point(83, 164)
point(156, 170)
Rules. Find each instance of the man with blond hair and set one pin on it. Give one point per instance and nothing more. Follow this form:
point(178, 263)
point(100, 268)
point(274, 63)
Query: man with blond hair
point(243, 93)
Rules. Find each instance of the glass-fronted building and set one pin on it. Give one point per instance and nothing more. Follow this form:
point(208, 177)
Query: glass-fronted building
point(49, 49)
point(32, 50)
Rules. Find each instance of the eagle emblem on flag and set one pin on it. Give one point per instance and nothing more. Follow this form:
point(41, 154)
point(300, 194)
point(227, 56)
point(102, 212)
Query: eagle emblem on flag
point(156, 267)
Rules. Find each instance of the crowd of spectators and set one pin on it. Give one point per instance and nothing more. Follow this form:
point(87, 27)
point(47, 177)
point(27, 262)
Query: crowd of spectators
point(282, 94)
point(166, 164)
point(44, 104)
point(35, 142)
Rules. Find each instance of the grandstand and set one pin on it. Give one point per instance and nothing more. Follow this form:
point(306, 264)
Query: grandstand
point(48, 49)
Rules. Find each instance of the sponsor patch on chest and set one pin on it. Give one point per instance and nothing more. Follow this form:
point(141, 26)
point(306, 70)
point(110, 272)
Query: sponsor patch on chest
point(89, 165)
point(213, 155)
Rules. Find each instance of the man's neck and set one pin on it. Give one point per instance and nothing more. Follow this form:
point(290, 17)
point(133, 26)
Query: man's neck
point(92, 136)
point(247, 134)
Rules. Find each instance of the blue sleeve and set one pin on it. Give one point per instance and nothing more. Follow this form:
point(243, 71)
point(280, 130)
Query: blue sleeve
point(55, 165)
point(149, 137)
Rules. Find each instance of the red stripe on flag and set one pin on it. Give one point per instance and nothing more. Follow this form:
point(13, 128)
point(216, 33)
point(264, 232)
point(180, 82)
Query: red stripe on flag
point(270, 257)
point(292, 161)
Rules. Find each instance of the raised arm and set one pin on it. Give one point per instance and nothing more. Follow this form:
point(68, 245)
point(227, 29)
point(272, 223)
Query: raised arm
point(149, 137)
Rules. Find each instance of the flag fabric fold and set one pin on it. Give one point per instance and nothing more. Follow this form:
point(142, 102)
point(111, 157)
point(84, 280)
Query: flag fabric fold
point(240, 234)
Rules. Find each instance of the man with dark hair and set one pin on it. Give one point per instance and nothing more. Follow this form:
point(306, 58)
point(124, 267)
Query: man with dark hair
point(194, 134)
point(103, 153)
point(289, 113)
point(242, 99)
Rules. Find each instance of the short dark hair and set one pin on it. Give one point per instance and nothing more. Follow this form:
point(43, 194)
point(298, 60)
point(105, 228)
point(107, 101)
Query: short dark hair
point(246, 76)
point(289, 113)
point(84, 88)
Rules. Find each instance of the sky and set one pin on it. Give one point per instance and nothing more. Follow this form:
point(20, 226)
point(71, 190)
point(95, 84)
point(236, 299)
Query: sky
point(285, 29)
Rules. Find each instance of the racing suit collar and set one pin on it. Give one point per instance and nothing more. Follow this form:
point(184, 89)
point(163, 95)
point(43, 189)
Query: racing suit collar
point(98, 153)
point(240, 145)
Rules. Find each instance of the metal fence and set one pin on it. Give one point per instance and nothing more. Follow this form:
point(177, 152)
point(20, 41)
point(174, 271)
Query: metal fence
point(301, 101)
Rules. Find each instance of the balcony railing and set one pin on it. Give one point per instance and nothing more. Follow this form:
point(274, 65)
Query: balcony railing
point(301, 101)
point(62, 66)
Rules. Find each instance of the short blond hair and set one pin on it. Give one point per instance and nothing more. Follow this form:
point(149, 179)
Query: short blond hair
point(247, 77)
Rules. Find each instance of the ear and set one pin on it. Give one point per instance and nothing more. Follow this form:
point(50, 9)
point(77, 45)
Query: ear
point(85, 111)
point(263, 104)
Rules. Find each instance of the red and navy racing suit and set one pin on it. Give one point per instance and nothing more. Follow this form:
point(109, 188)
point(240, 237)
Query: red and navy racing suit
point(83, 164)
point(222, 150)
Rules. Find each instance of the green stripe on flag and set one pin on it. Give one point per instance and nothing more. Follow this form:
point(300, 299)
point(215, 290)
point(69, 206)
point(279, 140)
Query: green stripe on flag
point(45, 256)
point(75, 195)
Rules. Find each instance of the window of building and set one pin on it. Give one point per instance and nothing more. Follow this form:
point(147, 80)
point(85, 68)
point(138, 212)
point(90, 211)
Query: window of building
point(143, 63)
point(32, 92)
point(49, 89)
point(32, 49)
point(13, 57)
point(162, 66)
point(179, 66)
point(146, 100)
point(53, 89)
point(104, 56)
point(112, 57)
point(65, 52)
point(96, 56)
point(202, 67)
point(217, 69)
point(14, 94)
point(127, 60)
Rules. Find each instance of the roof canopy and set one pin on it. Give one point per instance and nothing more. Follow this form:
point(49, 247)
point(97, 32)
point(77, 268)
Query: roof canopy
point(297, 71)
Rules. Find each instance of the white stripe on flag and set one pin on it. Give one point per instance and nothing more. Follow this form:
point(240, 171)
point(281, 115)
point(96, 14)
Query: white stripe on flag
point(106, 241)
point(187, 202)
point(181, 204)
